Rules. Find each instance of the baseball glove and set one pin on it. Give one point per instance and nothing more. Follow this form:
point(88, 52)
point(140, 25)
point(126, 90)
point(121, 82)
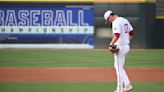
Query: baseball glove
point(113, 49)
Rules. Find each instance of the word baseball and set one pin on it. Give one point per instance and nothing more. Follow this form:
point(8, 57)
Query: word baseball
point(42, 18)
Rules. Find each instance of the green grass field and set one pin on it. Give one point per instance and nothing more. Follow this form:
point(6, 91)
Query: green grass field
point(76, 87)
point(77, 58)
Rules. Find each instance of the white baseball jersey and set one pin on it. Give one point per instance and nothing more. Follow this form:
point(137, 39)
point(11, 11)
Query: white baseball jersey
point(122, 26)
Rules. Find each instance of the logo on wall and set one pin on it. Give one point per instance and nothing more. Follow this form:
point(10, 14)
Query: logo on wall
point(57, 25)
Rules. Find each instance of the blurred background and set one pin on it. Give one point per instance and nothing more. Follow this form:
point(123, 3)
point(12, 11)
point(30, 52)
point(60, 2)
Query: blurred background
point(77, 24)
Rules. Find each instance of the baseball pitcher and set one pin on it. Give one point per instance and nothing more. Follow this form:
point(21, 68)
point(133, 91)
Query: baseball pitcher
point(123, 32)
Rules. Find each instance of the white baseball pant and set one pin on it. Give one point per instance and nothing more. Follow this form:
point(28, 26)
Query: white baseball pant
point(119, 61)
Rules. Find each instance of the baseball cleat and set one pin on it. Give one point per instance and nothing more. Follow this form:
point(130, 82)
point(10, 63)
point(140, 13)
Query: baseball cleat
point(127, 88)
point(118, 91)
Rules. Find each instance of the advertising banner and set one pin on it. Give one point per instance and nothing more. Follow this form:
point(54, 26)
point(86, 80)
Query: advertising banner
point(63, 24)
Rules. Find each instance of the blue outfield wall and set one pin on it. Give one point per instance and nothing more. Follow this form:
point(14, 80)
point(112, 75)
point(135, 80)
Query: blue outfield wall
point(57, 23)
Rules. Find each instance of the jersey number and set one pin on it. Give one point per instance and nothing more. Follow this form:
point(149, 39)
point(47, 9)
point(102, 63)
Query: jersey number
point(126, 28)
